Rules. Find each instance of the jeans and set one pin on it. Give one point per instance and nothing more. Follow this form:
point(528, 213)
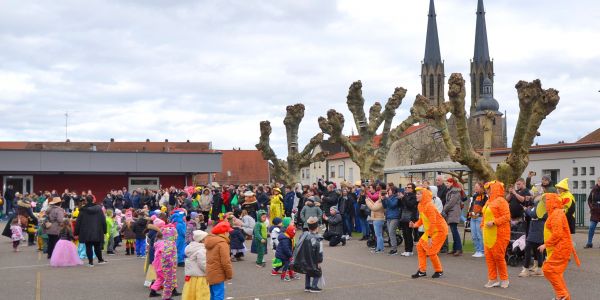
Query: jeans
point(140, 247)
point(378, 227)
point(364, 226)
point(591, 231)
point(392, 225)
point(476, 234)
point(347, 221)
point(217, 291)
point(307, 282)
point(456, 244)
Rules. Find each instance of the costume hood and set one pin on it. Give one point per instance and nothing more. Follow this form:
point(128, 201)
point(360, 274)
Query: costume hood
point(496, 189)
point(177, 217)
point(553, 202)
point(291, 231)
point(427, 196)
point(259, 214)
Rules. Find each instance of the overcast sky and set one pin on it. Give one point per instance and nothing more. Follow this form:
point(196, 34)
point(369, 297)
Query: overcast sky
point(212, 70)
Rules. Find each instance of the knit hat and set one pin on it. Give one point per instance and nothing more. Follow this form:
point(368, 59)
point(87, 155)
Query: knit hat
point(199, 235)
point(194, 215)
point(276, 221)
point(334, 208)
point(222, 227)
point(286, 222)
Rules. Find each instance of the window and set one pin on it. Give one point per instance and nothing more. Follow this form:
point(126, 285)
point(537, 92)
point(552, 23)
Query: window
point(332, 172)
point(341, 171)
point(430, 87)
point(143, 183)
point(575, 185)
point(584, 185)
point(307, 173)
point(583, 171)
point(575, 171)
point(351, 174)
point(303, 172)
point(592, 171)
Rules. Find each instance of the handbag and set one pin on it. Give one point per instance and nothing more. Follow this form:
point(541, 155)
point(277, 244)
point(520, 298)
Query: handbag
point(406, 216)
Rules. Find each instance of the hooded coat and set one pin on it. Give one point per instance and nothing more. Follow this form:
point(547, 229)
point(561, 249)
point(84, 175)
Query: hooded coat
point(177, 219)
point(276, 209)
point(310, 210)
point(285, 247)
point(452, 208)
point(218, 261)
point(559, 246)
point(259, 233)
point(195, 262)
point(91, 224)
point(496, 237)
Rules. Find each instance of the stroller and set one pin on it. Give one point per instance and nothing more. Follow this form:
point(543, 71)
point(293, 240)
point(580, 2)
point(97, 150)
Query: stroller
point(371, 242)
point(515, 252)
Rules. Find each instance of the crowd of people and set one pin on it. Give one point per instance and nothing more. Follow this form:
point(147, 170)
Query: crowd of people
point(169, 228)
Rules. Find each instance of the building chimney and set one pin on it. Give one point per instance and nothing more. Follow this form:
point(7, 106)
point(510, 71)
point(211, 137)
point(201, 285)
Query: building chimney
point(92, 147)
point(166, 140)
point(187, 141)
point(112, 140)
point(68, 140)
point(147, 140)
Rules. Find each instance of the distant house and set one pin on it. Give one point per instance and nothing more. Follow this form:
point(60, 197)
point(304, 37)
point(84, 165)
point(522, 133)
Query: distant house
point(240, 167)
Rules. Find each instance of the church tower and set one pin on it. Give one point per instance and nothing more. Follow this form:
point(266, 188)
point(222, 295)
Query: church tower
point(432, 67)
point(481, 66)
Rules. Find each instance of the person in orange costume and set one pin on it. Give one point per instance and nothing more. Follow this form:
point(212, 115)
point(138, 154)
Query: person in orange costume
point(432, 240)
point(558, 246)
point(496, 234)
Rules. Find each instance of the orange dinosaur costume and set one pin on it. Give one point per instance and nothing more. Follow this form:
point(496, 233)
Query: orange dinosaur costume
point(435, 228)
point(558, 244)
point(497, 236)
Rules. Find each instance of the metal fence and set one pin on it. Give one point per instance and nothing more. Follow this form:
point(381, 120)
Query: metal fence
point(581, 210)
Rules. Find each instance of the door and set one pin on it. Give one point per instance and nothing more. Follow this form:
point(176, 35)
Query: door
point(21, 184)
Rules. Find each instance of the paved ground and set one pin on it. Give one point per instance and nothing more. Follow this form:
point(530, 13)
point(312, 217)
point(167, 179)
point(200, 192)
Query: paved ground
point(350, 272)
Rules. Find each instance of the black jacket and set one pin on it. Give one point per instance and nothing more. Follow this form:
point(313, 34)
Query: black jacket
point(236, 238)
point(335, 224)
point(284, 248)
point(408, 207)
point(139, 227)
point(308, 254)
point(329, 199)
point(91, 224)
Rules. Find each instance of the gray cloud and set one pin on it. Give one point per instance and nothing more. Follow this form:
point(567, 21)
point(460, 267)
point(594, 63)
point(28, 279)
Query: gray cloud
point(211, 70)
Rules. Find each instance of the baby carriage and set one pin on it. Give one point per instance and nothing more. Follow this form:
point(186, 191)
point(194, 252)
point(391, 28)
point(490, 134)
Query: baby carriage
point(515, 252)
point(371, 242)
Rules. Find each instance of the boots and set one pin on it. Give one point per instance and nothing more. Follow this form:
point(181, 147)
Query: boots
point(175, 293)
point(153, 293)
point(128, 253)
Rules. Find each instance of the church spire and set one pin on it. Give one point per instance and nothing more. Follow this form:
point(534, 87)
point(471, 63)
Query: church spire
point(482, 52)
point(432, 43)
point(432, 67)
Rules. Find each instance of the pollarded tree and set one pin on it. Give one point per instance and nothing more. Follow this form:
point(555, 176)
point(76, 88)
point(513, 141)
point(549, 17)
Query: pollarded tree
point(288, 170)
point(363, 149)
point(535, 104)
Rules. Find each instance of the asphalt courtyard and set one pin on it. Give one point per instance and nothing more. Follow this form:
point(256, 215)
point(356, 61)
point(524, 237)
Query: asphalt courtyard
point(350, 272)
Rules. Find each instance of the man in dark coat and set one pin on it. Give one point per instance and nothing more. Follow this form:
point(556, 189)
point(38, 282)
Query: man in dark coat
point(91, 228)
point(9, 198)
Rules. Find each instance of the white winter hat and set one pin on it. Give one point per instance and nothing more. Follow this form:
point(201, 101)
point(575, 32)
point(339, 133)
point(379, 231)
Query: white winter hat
point(199, 235)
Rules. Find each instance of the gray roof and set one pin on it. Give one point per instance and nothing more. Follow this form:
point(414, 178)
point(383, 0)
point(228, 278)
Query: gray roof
point(432, 43)
point(482, 53)
point(429, 167)
point(486, 100)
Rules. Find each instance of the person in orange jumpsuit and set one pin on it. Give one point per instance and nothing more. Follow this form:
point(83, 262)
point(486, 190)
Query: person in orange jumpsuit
point(496, 234)
point(434, 236)
point(558, 246)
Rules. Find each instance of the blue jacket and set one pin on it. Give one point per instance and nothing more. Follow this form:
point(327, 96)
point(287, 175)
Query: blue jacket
point(236, 238)
point(288, 201)
point(284, 248)
point(392, 208)
point(135, 201)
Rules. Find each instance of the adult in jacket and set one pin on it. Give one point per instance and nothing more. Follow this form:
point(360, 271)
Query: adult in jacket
point(593, 202)
point(452, 211)
point(434, 235)
point(408, 213)
point(330, 198)
point(392, 216)
point(310, 209)
point(216, 205)
point(91, 228)
point(336, 228)
point(288, 201)
point(346, 210)
point(558, 246)
point(378, 217)
point(496, 234)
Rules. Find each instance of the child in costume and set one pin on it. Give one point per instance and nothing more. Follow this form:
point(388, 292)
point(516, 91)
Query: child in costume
point(259, 240)
point(165, 264)
point(119, 223)
point(129, 236)
point(558, 246)
point(178, 220)
point(190, 226)
point(16, 234)
point(196, 284)
point(276, 209)
point(496, 234)
point(237, 239)
point(111, 232)
point(153, 234)
point(65, 252)
point(217, 260)
point(284, 253)
point(434, 235)
point(274, 232)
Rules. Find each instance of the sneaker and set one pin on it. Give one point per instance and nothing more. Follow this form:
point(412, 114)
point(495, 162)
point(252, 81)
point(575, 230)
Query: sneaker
point(315, 290)
point(377, 251)
point(110, 253)
point(537, 273)
point(524, 272)
point(504, 284)
point(102, 262)
point(286, 278)
point(348, 237)
point(393, 252)
point(588, 246)
point(407, 254)
point(418, 274)
point(90, 265)
point(437, 275)
point(273, 272)
point(153, 293)
point(478, 254)
point(491, 284)
point(343, 241)
point(307, 289)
